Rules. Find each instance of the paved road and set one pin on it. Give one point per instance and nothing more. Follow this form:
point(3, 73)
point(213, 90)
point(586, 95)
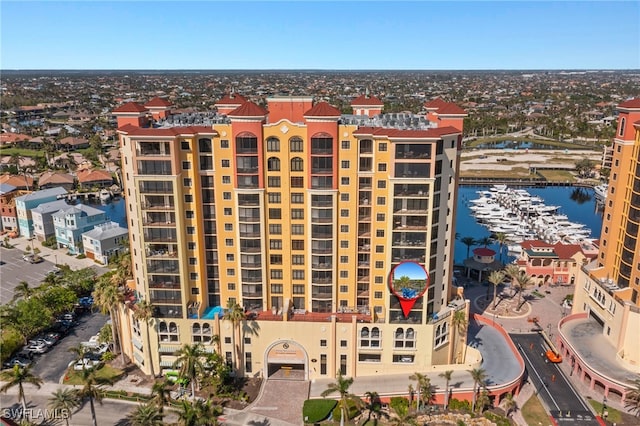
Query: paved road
point(52, 365)
point(562, 400)
point(13, 270)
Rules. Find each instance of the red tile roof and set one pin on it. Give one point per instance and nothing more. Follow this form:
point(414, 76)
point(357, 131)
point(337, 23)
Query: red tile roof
point(323, 109)
point(535, 243)
point(166, 131)
point(234, 99)
point(248, 109)
point(13, 137)
point(435, 133)
point(435, 103)
point(364, 100)
point(17, 181)
point(157, 102)
point(450, 108)
point(130, 107)
point(566, 251)
point(55, 178)
point(93, 176)
point(484, 251)
point(631, 103)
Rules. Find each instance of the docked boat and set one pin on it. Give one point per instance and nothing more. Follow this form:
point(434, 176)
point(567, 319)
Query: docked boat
point(600, 192)
point(104, 195)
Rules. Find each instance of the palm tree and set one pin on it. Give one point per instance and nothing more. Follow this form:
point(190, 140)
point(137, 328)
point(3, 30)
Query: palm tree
point(161, 394)
point(23, 291)
point(144, 312)
point(235, 314)
point(485, 241)
point(65, 401)
point(483, 400)
point(200, 413)
point(501, 239)
point(189, 361)
point(495, 278)
point(459, 323)
point(341, 386)
point(447, 377)
point(632, 398)
point(373, 406)
point(404, 417)
point(522, 282)
point(145, 415)
point(469, 242)
point(108, 297)
point(512, 271)
point(426, 392)
point(187, 415)
point(479, 377)
point(510, 404)
point(18, 376)
point(92, 390)
point(421, 379)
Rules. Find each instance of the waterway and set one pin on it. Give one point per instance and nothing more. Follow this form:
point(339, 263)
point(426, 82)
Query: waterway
point(115, 210)
point(579, 204)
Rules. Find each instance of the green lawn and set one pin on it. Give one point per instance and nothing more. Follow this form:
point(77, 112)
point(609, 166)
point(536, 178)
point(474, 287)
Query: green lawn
point(516, 172)
point(107, 372)
point(557, 175)
point(534, 413)
point(614, 415)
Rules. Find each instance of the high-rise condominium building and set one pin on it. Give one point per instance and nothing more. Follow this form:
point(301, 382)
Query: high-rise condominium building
point(299, 214)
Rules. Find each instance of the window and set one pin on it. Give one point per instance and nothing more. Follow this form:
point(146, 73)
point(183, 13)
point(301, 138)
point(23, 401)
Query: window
point(404, 339)
point(297, 229)
point(275, 244)
point(201, 333)
point(193, 276)
point(323, 364)
point(442, 335)
point(381, 201)
point(226, 195)
point(370, 338)
point(379, 280)
point(190, 214)
point(344, 181)
point(297, 198)
point(186, 165)
point(296, 144)
point(323, 343)
point(344, 197)
point(380, 233)
point(382, 146)
point(276, 288)
point(297, 213)
point(226, 163)
point(184, 145)
point(231, 272)
point(382, 184)
point(382, 167)
point(298, 274)
point(275, 259)
point(344, 289)
point(297, 164)
point(273, 164)
point(187, 182)
point(168, 332)
point(380, 217)
point(379, 264)
point(193, 261)
point(297, 182)
point(275, 229)
point(188, 198)
point(224, 143)
point(248, 366)
point(191, 245)
point(228, 242)
point(231, 287)
point(273, 181)
point(275, 197)
point(344, 274)
point(226, 179)
point(344, 259)
point(344, 228)
point(344, 244)
point(377, 294)
point(297, 244)
point(227, 211)
point(276, 274)
point(298, 289)
point(379, 249)
point(344, 213)
point(191, 230)
point(297, 259)
point(275, 213)
point(346, 144)
point(273, 145)
point(344, 164)
point(623, 122)
point(343, 343)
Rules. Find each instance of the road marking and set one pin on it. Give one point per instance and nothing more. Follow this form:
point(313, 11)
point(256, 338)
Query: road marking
point(539, 378)
point(572, 389)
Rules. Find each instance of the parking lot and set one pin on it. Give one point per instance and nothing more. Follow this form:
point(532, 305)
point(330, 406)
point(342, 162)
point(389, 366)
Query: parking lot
point(13, 270)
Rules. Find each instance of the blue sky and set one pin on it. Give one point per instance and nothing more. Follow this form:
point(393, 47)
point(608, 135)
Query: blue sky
point(358, 35)
point(411, 269)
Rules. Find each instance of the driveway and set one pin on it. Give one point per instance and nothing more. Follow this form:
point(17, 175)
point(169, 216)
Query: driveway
point(14, 270)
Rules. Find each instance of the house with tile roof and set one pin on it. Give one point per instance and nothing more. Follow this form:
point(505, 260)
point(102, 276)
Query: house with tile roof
point(8, 215)
point(51, 179)
point(94, 178)
point(105, 241)
point(554, 263)
point(71, 222)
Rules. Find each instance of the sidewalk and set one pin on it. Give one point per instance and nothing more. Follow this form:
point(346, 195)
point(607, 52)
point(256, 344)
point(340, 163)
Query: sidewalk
point(56, 256)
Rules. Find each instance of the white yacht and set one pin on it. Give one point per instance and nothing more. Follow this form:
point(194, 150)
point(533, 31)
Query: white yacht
point(600, 192)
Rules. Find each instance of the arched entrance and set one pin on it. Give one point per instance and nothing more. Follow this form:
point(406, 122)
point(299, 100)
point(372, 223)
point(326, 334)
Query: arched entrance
point(286, 360)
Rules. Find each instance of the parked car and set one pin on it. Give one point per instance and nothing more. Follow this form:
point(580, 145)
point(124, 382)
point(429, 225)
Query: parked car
point(37, 347)
point(85, 364)
point(92, 356)
point(62, 329)
point(32, 258)
point(18, 360)
point(52, 337)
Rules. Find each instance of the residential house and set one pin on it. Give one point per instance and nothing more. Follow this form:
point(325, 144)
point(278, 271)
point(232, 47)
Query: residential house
point(72, 143)
point(43, 219)
point(25, 203)
point(105, 241)
point(52, 179)
point(21, 182)
point(94, 178)
point(554, 263)
point(8, 193)
point(72, 221)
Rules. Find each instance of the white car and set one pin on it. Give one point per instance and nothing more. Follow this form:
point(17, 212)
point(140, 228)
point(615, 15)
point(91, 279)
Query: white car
point(85, 364)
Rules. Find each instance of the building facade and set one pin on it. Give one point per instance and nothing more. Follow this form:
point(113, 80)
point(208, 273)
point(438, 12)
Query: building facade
point(71, 222)
point(25, 203)
point(105, 241)
point(42, 217)
point(606, 293)
point(298, 213)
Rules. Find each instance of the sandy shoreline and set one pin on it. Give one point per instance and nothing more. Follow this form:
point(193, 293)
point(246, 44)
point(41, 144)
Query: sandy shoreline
point(487, 159)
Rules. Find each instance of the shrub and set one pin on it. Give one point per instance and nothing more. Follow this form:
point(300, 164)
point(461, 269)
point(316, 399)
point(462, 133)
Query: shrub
point(316, 410)
point(497, 419)
point(81, 256)
point(399, 404)
point(352, 411)
point(456, 404)
point(49, 242)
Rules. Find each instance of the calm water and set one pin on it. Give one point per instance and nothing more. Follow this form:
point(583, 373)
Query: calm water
point(578, 204)
point(115, 210)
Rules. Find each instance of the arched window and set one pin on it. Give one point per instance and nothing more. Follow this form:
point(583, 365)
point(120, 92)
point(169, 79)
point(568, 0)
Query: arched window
point(405, 340)
point(273, 164)
point(168, 333)
point(273, 144)
point(201, 334)
point(442, 335)
point(195, 328)
point(370, 338)
point(297, 164)
point(296, 144)
point(623, 123)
